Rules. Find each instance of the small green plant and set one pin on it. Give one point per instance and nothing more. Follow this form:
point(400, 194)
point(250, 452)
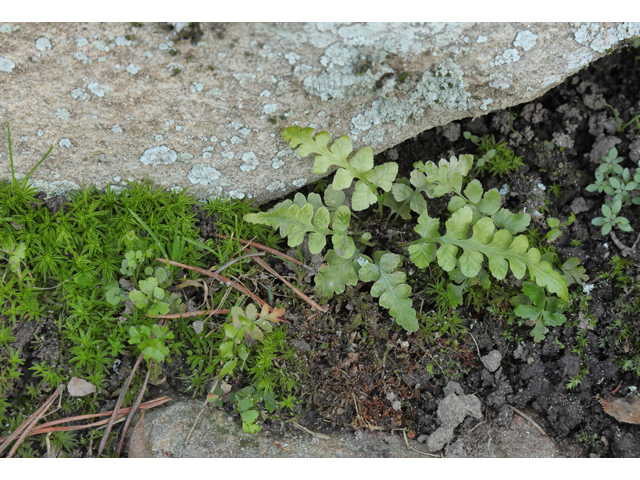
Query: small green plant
point(477, 229)
point(240, 325)
point(575, 242)
point(577, 380)
point(621, 127)
point(495, 158)
point(555, 226)
point(611, 219)
point(151, 297)
point(536, 307)
point(242, 329)
point(618, 184)
point(554, 189)
point(151, 341)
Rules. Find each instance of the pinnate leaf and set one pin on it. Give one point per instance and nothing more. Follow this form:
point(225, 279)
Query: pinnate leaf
point(334, 278)
point(390, 286)
point(501, 249)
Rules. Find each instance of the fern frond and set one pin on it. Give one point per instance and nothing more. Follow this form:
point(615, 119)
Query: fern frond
point(502, 250)
point(390, 286)
point(359, 166)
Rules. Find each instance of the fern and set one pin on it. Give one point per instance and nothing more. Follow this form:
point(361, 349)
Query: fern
point(337, 274)
point(480, 240)
point(390, 286)
point(297, 218)
point(360, 166)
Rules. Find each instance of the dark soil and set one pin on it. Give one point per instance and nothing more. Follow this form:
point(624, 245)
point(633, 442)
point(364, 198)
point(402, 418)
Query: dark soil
point(365, 372)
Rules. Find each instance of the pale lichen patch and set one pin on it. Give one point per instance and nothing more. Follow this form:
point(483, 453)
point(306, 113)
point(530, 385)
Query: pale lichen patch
point(292, 57)
point(81, 57)
point(277, 185)
point(269, 108)
point(43, 44)
point(6, 65)
point(133, 69)
point(122, 41)
point(277, 162)
point(299, 182)
point(64, 143)
point(244, 77)
point(237, 194)
point(98, 90)
point(486, 103)
point(525, 40)
point(214, 93)
point(203, 175)
point(63, 114)
point(80, 94)
point(508, 56)
point(116, 129)
point(161, 155)
point(500, 81)
point(250, 160)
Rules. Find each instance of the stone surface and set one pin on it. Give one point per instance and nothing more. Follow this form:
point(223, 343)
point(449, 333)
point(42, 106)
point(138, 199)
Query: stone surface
point(491, 360)
point(517, 439)
point(163, 431)
point(124, 102)
point(451, 412)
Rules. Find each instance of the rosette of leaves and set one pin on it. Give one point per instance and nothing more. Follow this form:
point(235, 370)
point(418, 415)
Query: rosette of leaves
point(150, 341)
point(614, 180)
point(611, 219)
point(477, 229)
point(359, 167)
point(151, 296)
point(241, 324)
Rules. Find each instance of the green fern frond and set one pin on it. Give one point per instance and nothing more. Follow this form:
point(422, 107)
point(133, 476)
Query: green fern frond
point(502, 250)
point(390, 286)
point(359, 166)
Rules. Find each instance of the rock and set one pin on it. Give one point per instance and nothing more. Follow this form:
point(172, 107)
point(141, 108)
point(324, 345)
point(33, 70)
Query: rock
point(491, 361)
point(163, 431)
point(516, 439)
point(78, 387)
point(126, 101)
point(451, 413)
point(580, 205)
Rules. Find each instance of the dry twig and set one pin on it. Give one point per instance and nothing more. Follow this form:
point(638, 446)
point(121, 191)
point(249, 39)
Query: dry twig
point(270, 250)
point(528, 418)
point(107, 430)
point(134, 409)
point(220, 278)
point(49, 426)
point(29, 424)
point(264, 265)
